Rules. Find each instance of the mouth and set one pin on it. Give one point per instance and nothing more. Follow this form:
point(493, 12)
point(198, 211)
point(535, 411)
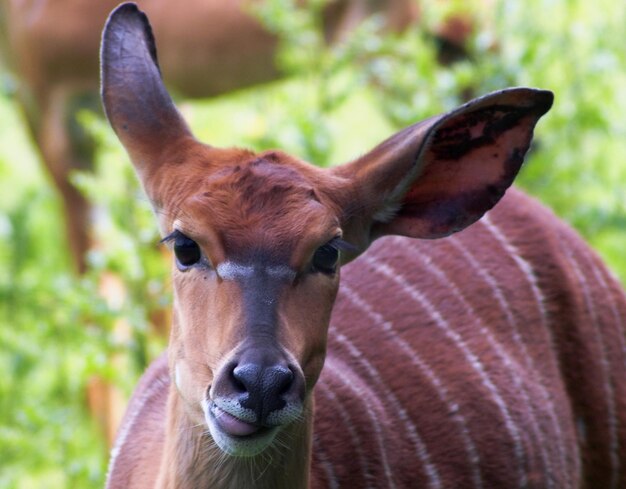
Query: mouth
point(234, 426)
point(236, 436)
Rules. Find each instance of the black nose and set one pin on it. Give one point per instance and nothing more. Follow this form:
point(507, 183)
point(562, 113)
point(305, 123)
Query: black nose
point(262, 388)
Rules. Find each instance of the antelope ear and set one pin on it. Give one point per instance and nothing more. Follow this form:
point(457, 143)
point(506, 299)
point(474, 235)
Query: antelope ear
point(440, 175)
point(135, 100)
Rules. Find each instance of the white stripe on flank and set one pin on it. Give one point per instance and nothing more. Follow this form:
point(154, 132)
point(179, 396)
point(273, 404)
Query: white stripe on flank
point(598, 274)
point(420, 448)
point(528, 271)
point(511, 364)
point(455, 241)
point(523, 265)
point(604, 362)
point(342, 372)
point(442, 391)
point(470, 356)
point(325, 389)
point(325, 463)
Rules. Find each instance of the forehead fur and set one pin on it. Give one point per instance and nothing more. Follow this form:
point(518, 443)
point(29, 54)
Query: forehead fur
point(267, 199)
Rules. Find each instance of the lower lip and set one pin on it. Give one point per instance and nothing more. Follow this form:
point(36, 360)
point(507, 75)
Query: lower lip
point(233, 426)
point(236, 437)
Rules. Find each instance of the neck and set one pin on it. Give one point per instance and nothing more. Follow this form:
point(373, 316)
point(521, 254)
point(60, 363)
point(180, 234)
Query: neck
point(192, 460)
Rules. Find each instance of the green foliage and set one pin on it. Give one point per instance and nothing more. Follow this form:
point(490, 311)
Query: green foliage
point(56, 331)
point(47, 349)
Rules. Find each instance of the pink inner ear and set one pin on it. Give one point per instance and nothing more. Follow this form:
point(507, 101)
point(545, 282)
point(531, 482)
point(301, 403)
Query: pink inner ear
point(467, 166)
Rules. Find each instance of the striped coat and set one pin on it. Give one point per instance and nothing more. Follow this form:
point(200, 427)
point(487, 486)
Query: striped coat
point(492, 358)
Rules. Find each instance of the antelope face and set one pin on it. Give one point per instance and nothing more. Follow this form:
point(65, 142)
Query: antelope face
point(257, 237)
point(256, 246)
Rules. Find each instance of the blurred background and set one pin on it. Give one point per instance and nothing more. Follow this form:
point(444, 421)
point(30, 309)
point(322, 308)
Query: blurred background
point(80, 317)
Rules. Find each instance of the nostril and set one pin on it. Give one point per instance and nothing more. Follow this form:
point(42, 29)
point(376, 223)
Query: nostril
point(247, 378)
point(282, 379)
point(262, 388)
point(238, 385)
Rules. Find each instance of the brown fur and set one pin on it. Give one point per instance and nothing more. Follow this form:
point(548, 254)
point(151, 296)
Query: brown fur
point(566, 364)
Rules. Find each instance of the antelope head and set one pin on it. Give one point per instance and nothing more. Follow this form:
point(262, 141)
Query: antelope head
point(259, 238)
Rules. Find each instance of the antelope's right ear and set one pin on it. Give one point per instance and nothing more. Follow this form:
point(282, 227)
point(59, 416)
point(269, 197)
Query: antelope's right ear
point(135, 100)
point(439, 176)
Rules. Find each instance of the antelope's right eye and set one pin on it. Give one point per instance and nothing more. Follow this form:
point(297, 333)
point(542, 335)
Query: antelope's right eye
point(186, 250)
point(325, 259)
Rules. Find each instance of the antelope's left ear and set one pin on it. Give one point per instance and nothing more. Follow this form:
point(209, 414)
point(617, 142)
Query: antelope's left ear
point(136, 102)
point(439, 176)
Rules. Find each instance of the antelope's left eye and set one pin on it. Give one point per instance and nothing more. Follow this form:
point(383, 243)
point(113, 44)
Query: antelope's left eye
point(325, 259)
point(186, 250)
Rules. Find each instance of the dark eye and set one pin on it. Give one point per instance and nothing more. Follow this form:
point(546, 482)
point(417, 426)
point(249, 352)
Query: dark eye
point(325, 259)
point(186, 250)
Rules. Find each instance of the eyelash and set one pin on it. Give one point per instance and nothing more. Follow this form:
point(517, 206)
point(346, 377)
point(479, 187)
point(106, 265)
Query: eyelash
point(171, 237)
point(341, 245)
point(186, 250)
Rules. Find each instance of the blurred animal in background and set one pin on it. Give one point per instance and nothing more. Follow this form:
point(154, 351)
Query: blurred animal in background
point(209, 48)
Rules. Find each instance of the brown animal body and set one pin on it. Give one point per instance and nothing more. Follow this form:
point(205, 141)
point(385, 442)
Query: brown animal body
point(208, 48)
point(436, 377)
point(493, 358)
